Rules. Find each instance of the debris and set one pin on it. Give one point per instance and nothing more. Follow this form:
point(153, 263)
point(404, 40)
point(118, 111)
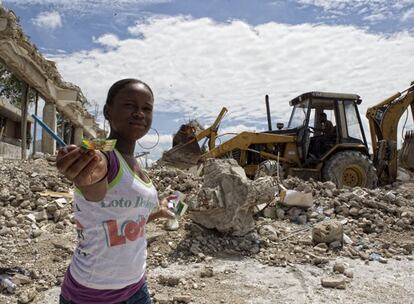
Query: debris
point(270, 212)
point(337, 282)
point(57, 194)
point(296, 199)
point(161, 298)
point(327, 232)
point(349, 273)
point(238, 195)
point(339, 267)
point(374, 227)
point(182, 298)
point(171, 224)
point(207, 272)
point(169, 280)
point(6, 283)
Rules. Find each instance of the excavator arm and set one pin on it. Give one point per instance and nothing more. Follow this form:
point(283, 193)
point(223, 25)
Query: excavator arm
point(383, 123)
point(186, 151)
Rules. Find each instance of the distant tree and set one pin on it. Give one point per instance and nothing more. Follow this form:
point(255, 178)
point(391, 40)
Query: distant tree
point(11, 88)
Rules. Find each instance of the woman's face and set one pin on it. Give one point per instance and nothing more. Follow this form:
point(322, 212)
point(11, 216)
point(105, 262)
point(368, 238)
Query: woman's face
point(130, 113)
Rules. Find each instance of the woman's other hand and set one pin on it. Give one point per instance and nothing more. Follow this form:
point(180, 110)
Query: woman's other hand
point(163, 211)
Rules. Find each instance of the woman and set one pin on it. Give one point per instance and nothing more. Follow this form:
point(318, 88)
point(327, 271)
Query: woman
point(114, 199)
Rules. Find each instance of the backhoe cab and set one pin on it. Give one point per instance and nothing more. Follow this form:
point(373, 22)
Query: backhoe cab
point(330, 140)
point(326, 123)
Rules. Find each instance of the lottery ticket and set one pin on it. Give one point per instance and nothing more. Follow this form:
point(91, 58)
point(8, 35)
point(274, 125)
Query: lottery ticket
point(177, 205)
point(98, 144)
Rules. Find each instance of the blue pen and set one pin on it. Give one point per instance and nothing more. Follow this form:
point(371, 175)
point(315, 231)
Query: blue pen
point(56, 137)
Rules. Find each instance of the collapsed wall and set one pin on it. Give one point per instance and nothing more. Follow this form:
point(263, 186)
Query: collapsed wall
point(229, 197)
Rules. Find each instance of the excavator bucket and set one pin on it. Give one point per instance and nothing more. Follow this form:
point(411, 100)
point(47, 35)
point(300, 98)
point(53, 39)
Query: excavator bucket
point(407, 151)
point(186, 151)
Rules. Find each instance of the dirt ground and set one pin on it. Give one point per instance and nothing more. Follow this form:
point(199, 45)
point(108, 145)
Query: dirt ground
point(247, 281)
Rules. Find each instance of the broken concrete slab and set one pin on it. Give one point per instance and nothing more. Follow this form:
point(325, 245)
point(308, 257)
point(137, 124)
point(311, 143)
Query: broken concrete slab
point(238, 195)
point(337, 282)
point(327, 232)
point(295, 198)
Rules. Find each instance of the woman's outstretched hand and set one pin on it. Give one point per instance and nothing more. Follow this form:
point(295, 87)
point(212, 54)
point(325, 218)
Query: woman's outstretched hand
point(83, 167)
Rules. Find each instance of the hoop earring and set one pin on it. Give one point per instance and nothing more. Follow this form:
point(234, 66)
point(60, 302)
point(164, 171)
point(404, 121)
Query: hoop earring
point(152, 147)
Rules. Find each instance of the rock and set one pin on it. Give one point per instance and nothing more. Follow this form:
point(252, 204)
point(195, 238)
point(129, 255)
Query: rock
point(347, 240)
point(329, 212)
point(354, 211)
point(161, 298)
point(20, 279)
point(349, 273)
point(238, 195)
point(61, 201)
point(207, 272)
point(37, 155)
point(40, 216)
point(327, 232)
point(302, 219)
point(27, 296)
point(4, 194)
point(403, 175)
point(339, 267)
point(337, 282)
point(268, 230)
point(295, 198)
point(280, 213)
point(293, 213)
point(382, 260)
point(36, 233)
point(169, 280)
point(321, 248)
point(182, 298)
point(31, 217)
point(37, 188)
point(41, 201)
point(389, 196)
point(171, 225)
point(270, 212)
point(335, 245)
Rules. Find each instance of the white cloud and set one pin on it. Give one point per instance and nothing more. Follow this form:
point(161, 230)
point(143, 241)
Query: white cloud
point(154, 144)
point(372, 11)
point(107, 40)
point(375, 17)
point(49, 20)
point(197, 66)
point(151, 140)
point(408, 15)
point(89, 6)
point(358, 4)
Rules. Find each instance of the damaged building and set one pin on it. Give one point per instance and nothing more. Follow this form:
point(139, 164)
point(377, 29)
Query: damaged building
point(22, 58)
point(10, 130)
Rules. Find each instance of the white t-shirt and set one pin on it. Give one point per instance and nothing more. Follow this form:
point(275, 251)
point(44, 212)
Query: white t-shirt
point(112, 248)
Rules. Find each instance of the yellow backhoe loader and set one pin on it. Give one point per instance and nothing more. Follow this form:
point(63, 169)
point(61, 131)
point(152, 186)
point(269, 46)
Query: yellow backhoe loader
point(324, 139)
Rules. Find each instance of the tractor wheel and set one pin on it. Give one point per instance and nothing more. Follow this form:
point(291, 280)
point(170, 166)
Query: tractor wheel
point(350, 168)
point(269, 168)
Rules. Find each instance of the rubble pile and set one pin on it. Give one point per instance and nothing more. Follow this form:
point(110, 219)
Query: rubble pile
point(35, 204)
point(170, 179)
point(29, 197)
point(375, 224)
point(229, 215)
